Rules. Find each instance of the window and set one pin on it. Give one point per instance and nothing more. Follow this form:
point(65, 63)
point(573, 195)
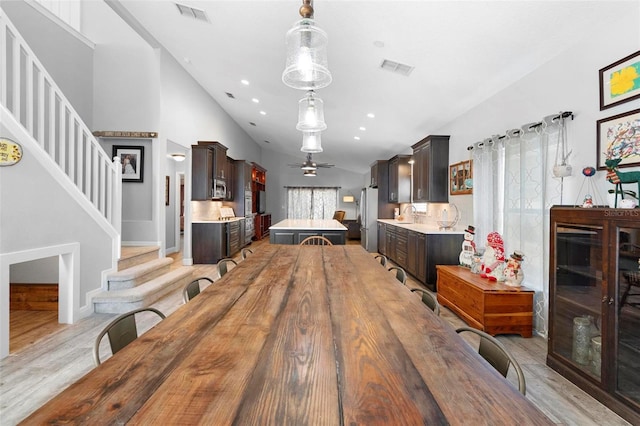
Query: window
point(311, 203)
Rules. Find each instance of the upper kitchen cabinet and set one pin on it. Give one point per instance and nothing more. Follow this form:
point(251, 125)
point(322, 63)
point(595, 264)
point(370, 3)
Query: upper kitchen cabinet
point(208, 171)
point(431, 170)
point(201, 173)
point(400, 179)
point(220, 168)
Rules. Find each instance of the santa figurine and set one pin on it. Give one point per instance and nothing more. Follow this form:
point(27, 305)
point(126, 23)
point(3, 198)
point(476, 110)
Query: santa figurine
point(513, 274)
point(468, 247)
point(492, 266)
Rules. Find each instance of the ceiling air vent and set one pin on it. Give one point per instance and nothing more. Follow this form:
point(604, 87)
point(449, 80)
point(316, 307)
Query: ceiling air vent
point(230, 95)
point(396, 67)
point(192, 12)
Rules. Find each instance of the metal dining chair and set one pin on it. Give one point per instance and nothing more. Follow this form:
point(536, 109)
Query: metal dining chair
point(245, 252)
point(316, 240)
point(401, 275)
point(121, 332)
point(428, 299)
point(192, 289)
point(382, 259)
point(223, 266)
point(497, 355)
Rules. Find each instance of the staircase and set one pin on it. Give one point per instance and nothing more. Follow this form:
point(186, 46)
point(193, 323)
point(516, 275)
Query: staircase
point(141, 279)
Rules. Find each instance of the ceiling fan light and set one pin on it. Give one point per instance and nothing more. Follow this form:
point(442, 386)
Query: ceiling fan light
point(310, 173)
point(306, 65)
point(311, 113)
point(311, 142)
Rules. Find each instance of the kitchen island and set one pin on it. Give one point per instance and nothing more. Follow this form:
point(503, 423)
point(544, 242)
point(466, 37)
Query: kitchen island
point(293, 231)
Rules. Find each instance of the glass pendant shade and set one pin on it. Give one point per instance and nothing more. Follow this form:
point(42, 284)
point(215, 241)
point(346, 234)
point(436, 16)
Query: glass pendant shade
point(311, 142)
point(306, 67)
point(311, 114)
point(310, 173)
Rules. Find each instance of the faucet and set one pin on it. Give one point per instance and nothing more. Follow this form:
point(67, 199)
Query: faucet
point(413, 215)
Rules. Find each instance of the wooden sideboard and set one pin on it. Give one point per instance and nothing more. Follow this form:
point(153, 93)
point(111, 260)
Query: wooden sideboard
point(489, 306)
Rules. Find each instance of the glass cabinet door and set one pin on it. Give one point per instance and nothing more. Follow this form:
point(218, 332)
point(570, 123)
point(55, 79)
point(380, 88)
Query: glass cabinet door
point(628, 337)
point(579, 292)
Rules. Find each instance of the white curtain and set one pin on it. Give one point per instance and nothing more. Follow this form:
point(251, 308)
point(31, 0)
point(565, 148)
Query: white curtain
point(514, 188)
point(311, 203)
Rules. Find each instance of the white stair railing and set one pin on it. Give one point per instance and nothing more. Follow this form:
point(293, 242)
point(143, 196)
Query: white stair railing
point(34, 99)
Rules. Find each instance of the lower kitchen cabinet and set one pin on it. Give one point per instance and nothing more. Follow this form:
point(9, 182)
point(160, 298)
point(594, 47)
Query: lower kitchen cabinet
point(418, 252)
point(209, 242)
point(213, 241)
point(382, 238)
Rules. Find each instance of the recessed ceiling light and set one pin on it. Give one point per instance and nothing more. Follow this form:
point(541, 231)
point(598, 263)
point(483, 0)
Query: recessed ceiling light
point(263, 113)
point(255, 100)
point(357, 138)
point(363, 128)
point(371, 115)
point(245, 82)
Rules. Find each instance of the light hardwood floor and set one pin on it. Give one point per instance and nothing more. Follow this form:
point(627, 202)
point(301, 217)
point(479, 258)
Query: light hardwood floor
point(43, 365)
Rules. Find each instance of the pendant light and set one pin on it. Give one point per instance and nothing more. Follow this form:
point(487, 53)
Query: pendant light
point(306, 65)
point(311, 142)
point(310, 173)
point(311, 113)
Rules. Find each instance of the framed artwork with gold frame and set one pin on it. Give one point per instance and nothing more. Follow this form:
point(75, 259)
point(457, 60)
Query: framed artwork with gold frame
point(461, 178)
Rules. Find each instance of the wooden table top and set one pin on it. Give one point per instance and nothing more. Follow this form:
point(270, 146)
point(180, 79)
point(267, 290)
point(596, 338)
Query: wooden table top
point(296, 335)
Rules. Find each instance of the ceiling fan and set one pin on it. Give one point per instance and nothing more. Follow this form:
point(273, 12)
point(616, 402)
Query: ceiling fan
point(309, 164)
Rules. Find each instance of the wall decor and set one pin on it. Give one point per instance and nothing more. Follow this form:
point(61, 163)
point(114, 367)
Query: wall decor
point(132, 159)
point(10, 152)
point(124, 134)
point(620, 81)
point(461, 178)
point(618, 137)
point(166, 190)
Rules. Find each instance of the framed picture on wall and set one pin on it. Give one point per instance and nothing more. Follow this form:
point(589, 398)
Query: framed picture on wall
point(132, 159)
point(166, 190)
point(620, 81)
point(619, 137)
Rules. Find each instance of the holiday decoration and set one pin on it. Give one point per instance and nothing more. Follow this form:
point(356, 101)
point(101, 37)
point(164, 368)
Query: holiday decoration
point(513, 274)
point(493, 259)
point(468, 247)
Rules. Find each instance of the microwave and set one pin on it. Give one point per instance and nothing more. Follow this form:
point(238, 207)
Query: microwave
point(219, 189)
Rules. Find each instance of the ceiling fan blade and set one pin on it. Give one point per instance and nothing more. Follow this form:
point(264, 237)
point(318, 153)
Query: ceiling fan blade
point(325, 165)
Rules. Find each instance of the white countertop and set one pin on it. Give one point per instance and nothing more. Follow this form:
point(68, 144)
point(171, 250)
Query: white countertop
point(422, 228)
point(233, 219)
point(316, 224)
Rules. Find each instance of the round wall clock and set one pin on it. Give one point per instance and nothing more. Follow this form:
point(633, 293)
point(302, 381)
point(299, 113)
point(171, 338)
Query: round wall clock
point(10, 152)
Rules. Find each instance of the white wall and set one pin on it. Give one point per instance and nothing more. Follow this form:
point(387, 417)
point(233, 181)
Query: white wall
point(36, 212)
point(567, 83)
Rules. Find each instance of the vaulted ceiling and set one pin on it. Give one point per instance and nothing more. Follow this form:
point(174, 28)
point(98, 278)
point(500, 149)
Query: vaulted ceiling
point(462, 52)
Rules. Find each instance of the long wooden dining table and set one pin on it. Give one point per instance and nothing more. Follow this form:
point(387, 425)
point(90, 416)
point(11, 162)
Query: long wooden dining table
point(298, 335)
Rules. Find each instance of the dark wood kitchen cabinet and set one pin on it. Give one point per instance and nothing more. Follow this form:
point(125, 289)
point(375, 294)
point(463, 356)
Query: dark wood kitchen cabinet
point(201, 173)
point(419, 253)
point(594, 303)
point(400, 179)
point(209, 242)
point(431, 169)
point(208, 162)
point(382, 238)
point(230, 180)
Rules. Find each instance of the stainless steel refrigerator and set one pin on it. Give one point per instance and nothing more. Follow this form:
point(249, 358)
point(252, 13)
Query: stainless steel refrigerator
point(369, 219)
